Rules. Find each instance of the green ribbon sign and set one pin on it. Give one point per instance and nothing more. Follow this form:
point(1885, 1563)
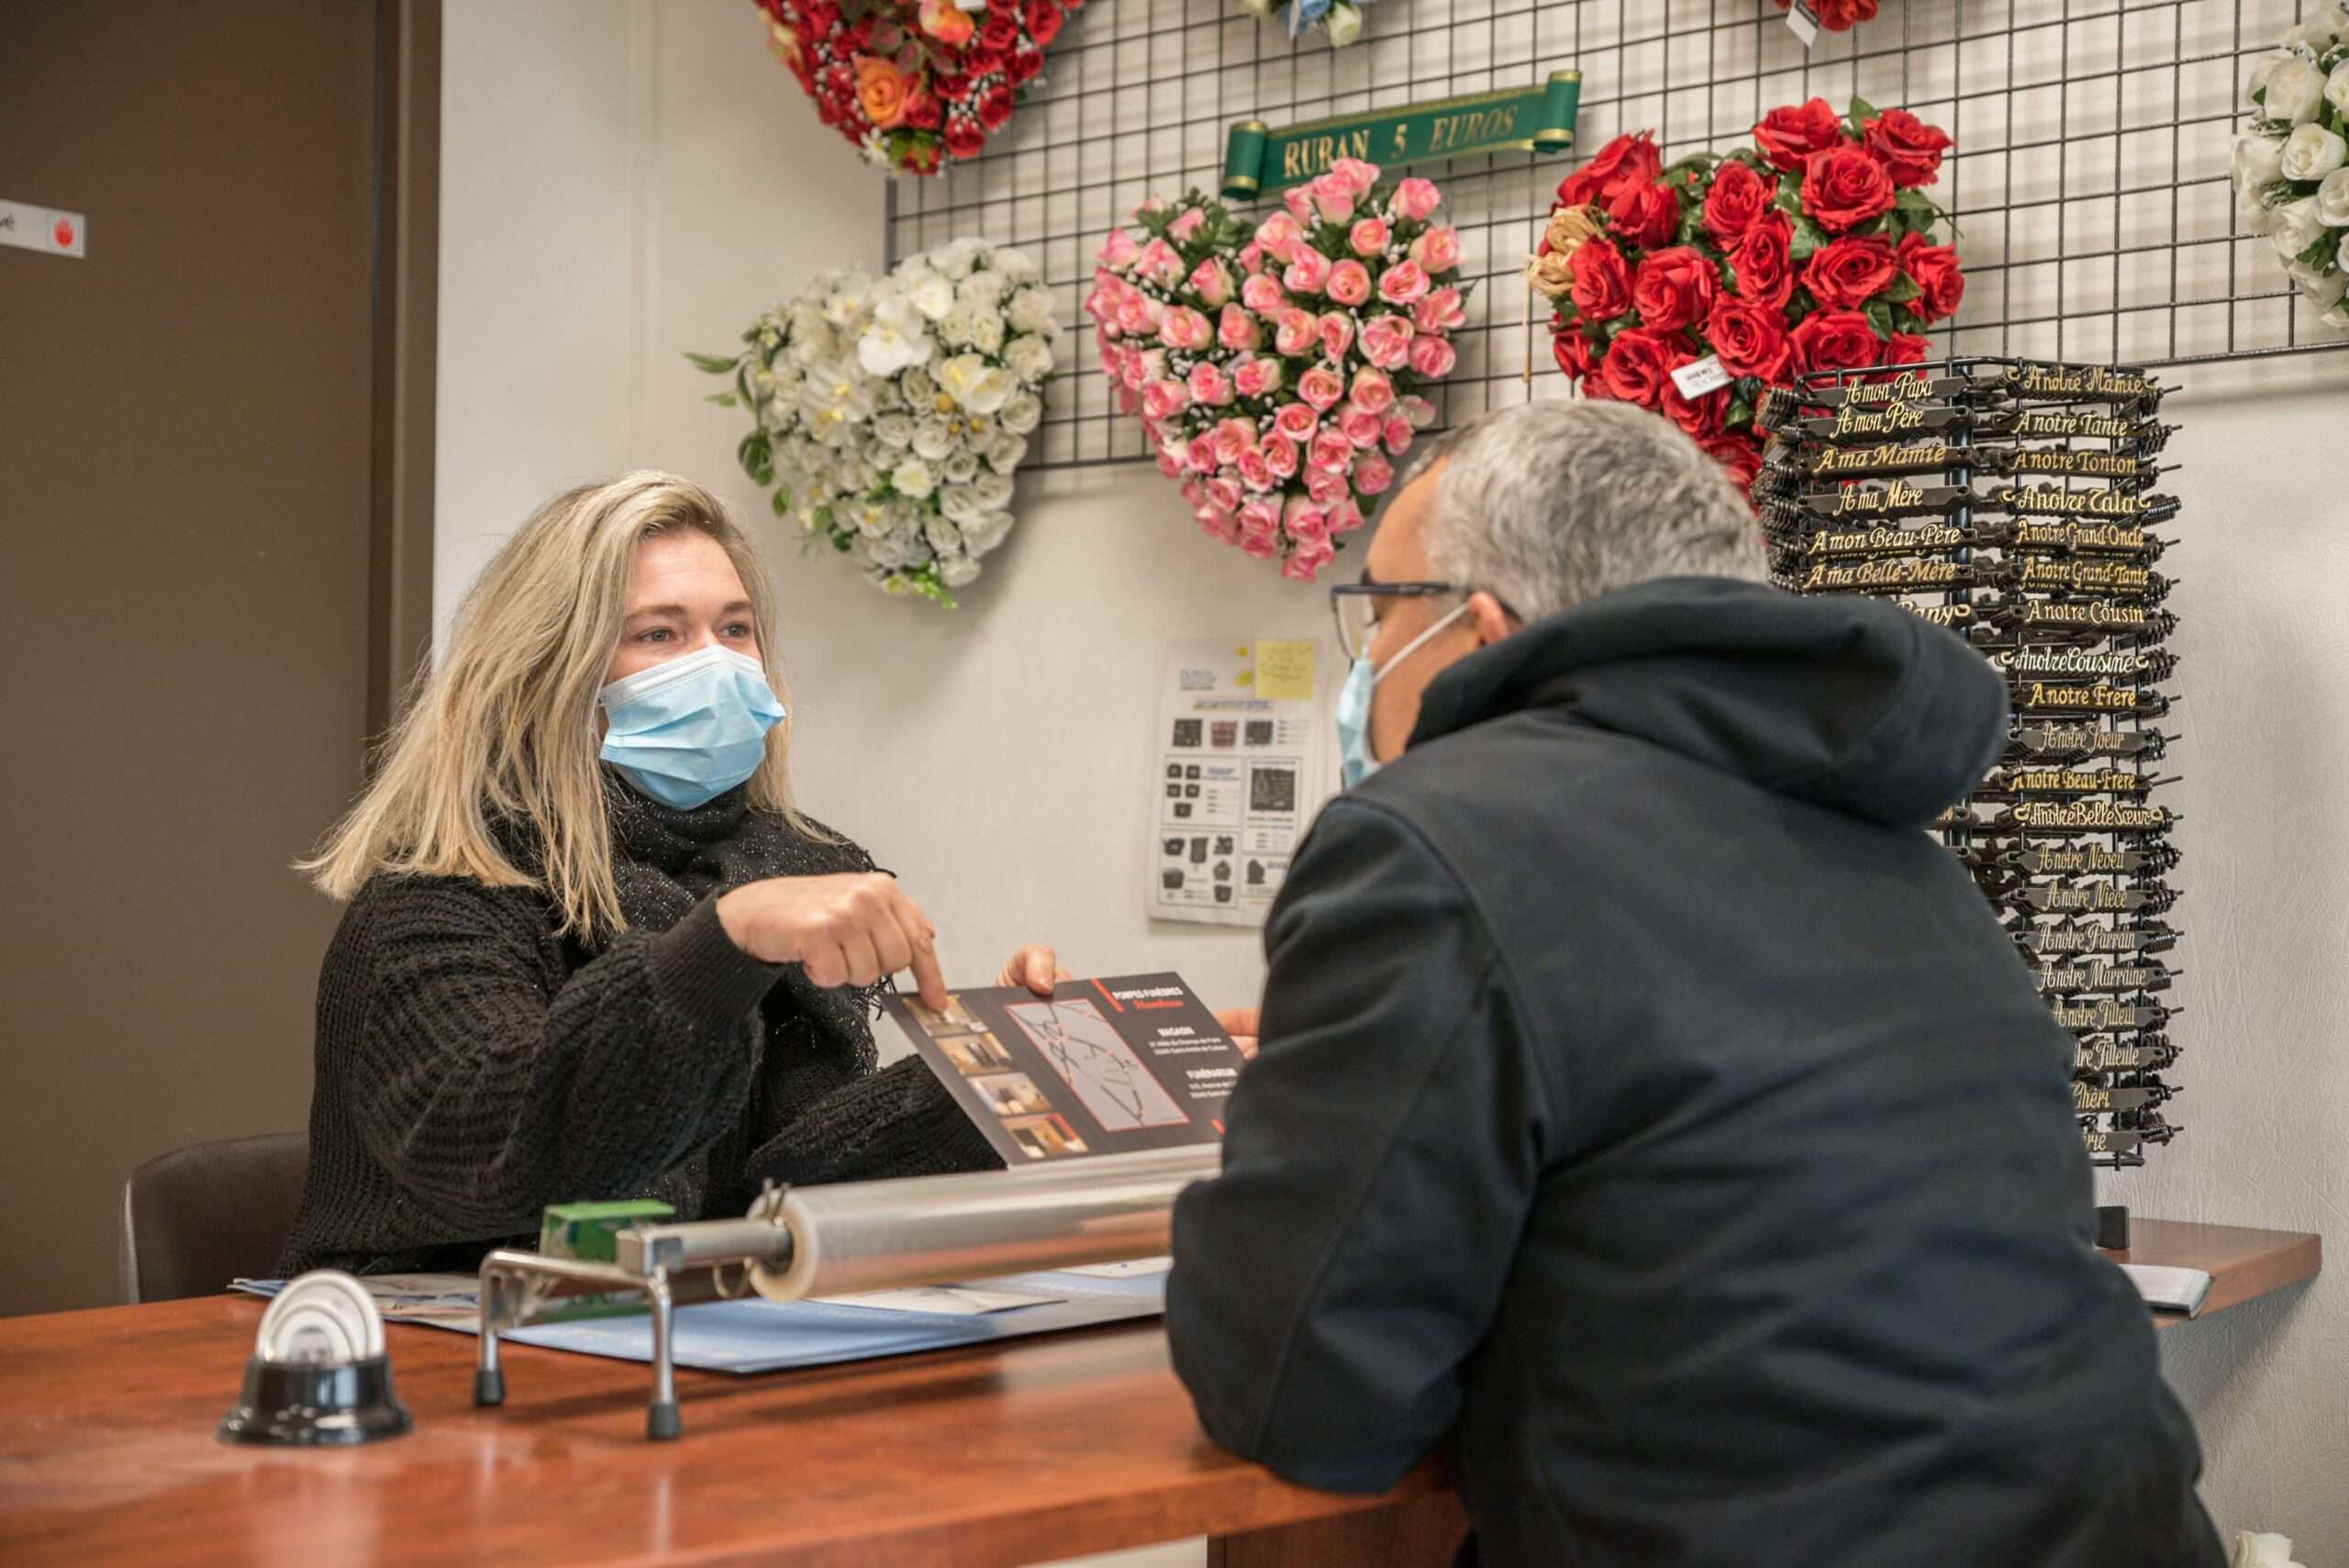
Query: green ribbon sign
point(1257, 158)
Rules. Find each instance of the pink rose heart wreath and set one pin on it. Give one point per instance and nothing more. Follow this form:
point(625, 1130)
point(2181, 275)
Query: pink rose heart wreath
point(913, 83)
point(1278, 368)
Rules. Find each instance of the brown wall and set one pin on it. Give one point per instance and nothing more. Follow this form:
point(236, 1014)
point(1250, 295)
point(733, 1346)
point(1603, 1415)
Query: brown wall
point(186, 543)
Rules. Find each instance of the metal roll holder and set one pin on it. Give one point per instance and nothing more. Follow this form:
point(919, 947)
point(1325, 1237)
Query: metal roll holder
point(857, 1236)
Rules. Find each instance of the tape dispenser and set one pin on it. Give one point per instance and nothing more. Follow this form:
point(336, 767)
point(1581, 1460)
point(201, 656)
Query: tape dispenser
point(318, 1373)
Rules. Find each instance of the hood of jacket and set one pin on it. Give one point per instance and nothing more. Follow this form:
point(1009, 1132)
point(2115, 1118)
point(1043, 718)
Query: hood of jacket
point(1843, 701)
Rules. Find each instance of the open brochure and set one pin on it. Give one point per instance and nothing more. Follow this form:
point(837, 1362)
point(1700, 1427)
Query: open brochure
point(1109, 1066)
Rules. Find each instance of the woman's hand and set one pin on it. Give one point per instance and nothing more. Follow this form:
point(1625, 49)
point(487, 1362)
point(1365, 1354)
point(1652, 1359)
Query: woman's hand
point(850, 929)
point(1035, 967)
point(1239, 1023)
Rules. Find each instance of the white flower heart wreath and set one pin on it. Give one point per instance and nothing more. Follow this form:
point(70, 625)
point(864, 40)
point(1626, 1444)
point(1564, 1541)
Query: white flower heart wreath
point(2291, 163)
point(891, 414)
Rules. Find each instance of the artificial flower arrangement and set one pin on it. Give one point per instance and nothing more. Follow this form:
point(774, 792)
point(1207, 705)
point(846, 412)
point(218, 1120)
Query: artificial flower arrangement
point(1339, 20)
point(1812, 250)
point(891, 414)
point(2291, 166)
point(915, 82)
point(1278, 367)
point(1838, 15)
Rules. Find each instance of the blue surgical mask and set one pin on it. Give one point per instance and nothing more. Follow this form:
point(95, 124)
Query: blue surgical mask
point(690, 728)
point(1356, 762)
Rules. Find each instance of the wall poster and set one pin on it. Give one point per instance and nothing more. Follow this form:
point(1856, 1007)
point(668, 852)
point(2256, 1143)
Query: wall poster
point(1240, 761)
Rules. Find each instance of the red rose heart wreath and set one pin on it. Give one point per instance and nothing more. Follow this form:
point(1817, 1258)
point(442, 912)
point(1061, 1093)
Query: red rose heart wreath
point(913, 83)
point(1812, 250)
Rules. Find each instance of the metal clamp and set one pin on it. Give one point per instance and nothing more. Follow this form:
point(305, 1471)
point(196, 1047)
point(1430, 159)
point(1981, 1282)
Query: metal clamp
point(669, 1265)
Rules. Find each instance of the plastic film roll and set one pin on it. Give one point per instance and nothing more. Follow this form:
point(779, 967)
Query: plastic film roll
point(935, 1229)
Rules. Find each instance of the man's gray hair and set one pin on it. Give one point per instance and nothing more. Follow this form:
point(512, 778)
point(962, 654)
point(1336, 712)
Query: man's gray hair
point(1548, 504)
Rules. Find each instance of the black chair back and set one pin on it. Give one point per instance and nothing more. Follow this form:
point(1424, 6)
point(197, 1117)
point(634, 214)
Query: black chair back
point(199, 1216)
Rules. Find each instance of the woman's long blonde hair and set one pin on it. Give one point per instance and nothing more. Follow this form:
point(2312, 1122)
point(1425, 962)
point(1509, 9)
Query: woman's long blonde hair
point(503, 725)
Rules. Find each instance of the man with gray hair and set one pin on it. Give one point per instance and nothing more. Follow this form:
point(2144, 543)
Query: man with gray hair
point(1641, 1095)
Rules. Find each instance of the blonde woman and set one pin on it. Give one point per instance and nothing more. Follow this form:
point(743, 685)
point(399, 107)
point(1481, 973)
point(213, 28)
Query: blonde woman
point(592, 948)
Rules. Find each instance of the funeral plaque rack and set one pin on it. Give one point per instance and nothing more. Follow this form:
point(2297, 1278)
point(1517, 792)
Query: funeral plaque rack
point(2015, 502)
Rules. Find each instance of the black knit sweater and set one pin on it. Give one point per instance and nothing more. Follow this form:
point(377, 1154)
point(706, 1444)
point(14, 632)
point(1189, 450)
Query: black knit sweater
point(472, 1067)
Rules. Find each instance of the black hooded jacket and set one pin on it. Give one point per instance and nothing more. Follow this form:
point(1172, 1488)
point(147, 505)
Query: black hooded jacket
point(1644, 1096)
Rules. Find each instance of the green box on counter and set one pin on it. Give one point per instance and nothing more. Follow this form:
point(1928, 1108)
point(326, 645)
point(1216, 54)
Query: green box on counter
point(585, 1232)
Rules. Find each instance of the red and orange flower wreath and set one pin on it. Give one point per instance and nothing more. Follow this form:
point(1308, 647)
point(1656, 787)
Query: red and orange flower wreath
point(1812, 250)
point(913, 83)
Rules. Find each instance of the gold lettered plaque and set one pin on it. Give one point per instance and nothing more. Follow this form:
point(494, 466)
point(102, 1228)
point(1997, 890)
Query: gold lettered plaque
point(1258, 158)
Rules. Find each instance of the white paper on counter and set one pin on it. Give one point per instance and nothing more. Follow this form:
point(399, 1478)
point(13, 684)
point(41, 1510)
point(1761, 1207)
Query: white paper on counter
point(951, 1300)
point(1131, 1268)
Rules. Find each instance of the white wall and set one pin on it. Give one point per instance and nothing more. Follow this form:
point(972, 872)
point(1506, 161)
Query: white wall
point(536, 382)
point(624, 180)
point(2262, 563)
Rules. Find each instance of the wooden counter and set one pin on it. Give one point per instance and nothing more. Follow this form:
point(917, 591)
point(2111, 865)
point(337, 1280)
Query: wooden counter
point(2242, 1262)
point(1023, 1452)
point(982, 1458)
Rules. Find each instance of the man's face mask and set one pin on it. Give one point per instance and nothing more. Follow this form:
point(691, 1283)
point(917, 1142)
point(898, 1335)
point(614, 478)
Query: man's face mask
point(1356, 760)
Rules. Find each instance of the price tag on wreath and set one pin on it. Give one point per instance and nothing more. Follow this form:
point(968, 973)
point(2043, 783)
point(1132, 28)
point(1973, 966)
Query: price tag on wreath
point(1700, 376)
point(1803, 18)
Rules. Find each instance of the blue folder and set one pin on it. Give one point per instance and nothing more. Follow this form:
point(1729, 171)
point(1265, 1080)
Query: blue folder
point(766, 1336)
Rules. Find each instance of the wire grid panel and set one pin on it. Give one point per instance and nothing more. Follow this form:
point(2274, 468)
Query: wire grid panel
point(2089, 182)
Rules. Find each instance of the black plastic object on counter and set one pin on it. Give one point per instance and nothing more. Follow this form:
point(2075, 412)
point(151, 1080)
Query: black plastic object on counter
point(319, 1376)
point(310, 1403)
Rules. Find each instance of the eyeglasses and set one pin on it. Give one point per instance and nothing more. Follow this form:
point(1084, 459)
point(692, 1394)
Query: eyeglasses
point(1355, 607)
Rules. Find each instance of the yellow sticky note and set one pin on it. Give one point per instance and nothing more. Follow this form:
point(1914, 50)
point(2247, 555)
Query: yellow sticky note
point(1285, 670)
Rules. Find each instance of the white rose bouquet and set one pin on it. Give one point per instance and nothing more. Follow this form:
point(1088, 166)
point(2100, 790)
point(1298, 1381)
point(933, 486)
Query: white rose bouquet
point(891, 414)
point(2291, 165)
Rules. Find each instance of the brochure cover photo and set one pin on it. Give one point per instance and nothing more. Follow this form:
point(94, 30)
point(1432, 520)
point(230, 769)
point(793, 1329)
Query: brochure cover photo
point(1106, 1066)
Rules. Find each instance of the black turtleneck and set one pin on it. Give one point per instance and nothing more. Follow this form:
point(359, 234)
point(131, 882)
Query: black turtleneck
point(472, 1067)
